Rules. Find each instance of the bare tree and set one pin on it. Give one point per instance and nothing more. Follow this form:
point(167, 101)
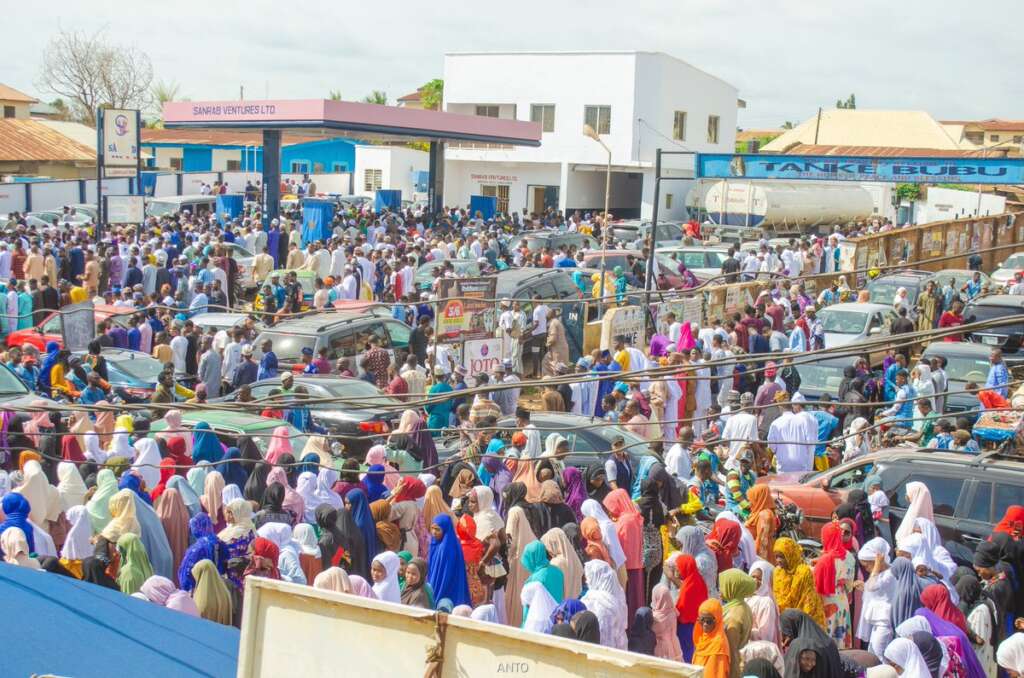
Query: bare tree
point(89, 72)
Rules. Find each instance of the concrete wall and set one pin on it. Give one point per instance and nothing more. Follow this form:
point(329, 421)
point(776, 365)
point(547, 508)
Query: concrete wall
point(941, 204)
point(463, 179)
point(397, 165)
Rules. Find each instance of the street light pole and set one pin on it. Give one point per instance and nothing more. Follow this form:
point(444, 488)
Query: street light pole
point(589, 131)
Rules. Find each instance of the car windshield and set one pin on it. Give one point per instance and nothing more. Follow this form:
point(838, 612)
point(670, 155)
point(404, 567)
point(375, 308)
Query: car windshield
point(287, 346)
point(11, 384)
point(610, 261)
point(634, 443)
point(668, 263)
point(668, 232)
point(715, 259)
point(140, 367)
point(1014, 261)
point(157, 208)
point(842, 322)
point(967, 369)
point(358, 389)
point(535, 244)
point(982, 313)
point(821, 377)
point(884, 291)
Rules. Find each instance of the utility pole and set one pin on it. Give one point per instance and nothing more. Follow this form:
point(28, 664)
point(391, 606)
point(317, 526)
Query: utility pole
point(817, 126)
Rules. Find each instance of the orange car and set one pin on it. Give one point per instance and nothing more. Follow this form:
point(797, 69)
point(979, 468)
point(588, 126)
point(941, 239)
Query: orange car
point(50, 329)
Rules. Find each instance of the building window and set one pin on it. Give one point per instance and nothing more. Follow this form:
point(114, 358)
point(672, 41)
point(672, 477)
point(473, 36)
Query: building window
point(668, 201)
point(679, 126)
point(300, 166)
point(487, 111)
point(993, 137)
point(372, 179)
point(499, 191)
point(233, 165)
point(8, 111)
point(712, 129)
point(598, 117)
point(1018, 139)
point(339, 167)
point(545, 115)
point(176, 164)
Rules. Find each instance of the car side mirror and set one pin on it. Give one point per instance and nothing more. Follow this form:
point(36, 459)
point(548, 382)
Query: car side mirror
point(1000, 264)
point(875, 330)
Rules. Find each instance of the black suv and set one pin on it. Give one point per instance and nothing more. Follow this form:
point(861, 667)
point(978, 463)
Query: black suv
point(1008, 337)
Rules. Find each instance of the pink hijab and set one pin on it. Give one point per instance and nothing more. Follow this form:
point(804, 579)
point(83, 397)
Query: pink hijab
point(280, 444)
point(292, 501)
point(174, 428)
point(38, 421)
point(664, 627)
point(360, 587)
point(378, 455)
point(686, 341)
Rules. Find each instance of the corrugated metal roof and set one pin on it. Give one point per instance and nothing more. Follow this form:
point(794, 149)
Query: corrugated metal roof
point(11, 94)
point(22, 140)
point(882, 151)
point(216, 138)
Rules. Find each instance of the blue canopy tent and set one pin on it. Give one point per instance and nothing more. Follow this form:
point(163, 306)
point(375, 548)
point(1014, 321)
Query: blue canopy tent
point(487, 205)
point(230, 204)
point(317, 216)
point(387, 198)
point(81, 629)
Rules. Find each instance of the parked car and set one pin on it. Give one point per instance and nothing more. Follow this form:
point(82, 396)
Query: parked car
point(1008, 269)
point(536, 241)
point(632, 230)
point(346, 335)
point(223, 321)
point(823, 377)
point(50, 328)
point(1009, 336)
point(374, 415)
point(197, 205)
point(245, 259)
point(547, 283)
point(131, 374)
point(965, 362)
point(13, 391)
point(464, 268)
point(588, 444)
point(882, 290)
point(230, 426)
point(969, 493)
point(852, 323)
point(703, 262)
point(960, 276)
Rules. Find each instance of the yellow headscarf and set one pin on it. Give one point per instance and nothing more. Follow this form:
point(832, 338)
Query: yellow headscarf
point(211, 594)
point(793, 583)
point(123, 520)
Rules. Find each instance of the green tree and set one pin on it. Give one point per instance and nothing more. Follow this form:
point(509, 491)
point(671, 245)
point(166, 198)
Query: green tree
point(376, 97)
point(61, 106)
point(334, 95)
point(432, 93)
point(789, 124)
point(850, 102)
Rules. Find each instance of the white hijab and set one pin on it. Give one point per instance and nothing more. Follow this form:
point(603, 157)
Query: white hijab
point(541, 605)
point(306, 487)
point(532, 449)
point(486, 613)
point(606, 599)
point(43, 498)
point(592, 509)
point(71, 487)
point(77, 545)
point(305, 537)
point(147, 463)
point(903, 653)
point(486, 518)
point(388, 589)
point(121, 446)
point(920, 507)
point(1010, 654)
point(325, 480)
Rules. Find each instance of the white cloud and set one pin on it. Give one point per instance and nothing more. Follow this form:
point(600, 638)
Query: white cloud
point(786, 57)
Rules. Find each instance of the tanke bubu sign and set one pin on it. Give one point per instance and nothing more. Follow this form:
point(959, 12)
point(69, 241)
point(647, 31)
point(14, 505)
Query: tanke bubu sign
point(853, 168)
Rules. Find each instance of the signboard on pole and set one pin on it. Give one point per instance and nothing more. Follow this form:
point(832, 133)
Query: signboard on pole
point(469, 312)
point(77, 325)
point(125, 209)
point(481, 355)
point(120, 142)
point(628, 321)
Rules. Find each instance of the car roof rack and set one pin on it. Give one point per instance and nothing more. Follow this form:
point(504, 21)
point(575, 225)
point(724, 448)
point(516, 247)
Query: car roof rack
point(1006, 451)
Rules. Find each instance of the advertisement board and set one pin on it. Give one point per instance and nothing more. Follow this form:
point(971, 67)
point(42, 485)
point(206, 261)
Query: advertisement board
point(77, 325)
point(125, 209)
point(481, 355)
point(628, 321)
point(861, 168)
point(120, 142)
point(468, 312)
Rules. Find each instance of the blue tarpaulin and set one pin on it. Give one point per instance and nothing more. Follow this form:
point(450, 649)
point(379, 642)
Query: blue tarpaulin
point(230, 204)
point(317, 216)
point(387, 198)
point(485, 204)
point(67, 627)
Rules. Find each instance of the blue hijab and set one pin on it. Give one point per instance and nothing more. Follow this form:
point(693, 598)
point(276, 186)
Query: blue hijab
point(310, 463)
point(154, 539)
point(360, 509)
point(567, 609)
point(52, 349)
point(446, 566)
point(205, 446)
point(374, 481)
point(17, 508)
point(204, 547)
point(232, 470)
point(130, 481)
point(188, 495)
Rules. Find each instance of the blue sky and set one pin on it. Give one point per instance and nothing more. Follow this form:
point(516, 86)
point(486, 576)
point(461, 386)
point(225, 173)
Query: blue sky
point(787, 57)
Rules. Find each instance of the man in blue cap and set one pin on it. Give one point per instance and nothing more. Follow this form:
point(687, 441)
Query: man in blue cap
point(307, 361)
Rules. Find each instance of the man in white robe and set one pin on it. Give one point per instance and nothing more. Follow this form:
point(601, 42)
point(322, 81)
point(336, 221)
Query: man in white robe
point(792, 437)
point(740, 430)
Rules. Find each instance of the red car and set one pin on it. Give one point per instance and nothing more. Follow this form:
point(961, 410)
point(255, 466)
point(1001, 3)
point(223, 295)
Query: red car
point(49, 329)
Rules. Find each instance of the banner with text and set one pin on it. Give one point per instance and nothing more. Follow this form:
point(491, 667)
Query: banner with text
point(472, 316)
point(856, 168)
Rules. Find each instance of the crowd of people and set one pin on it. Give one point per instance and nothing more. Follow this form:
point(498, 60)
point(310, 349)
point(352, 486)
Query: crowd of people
point(671, 549)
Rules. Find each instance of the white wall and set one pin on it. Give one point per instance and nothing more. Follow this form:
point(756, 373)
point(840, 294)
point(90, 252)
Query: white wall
point(12, 198)
point(54, 194)
point(941, 204)
point(463, 179)
point(396, 164)
point(164, 154)
point(220, 156)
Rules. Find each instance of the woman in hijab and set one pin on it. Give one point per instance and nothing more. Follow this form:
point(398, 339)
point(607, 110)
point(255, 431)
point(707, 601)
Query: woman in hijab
point(280, 443)
point(564, 557)
point(711, 645)
point(330, 542)
point(586, 627)
point(147, 461)
point(205, 546)
point(357, 503)
point(575, 491)
point(134, 569)
point(333, 579)
point(874, 626)
point(559, 512)
point(77, 545)
point(16, 550)
point(919, 505)
point(238, 534)
point(664, 624)
point(691, 542)
point(762, 520)
point(516, 496)
point(724, 542)
point(272, 509)
point(683, 574)
point(907, 588)
point(232, 468)
point(609, 535)
point(353, 544)
point(415, 591)
point(288, 563)
point(763, 609)
point(177, 451)
point(472, 552)
point(211, 595)
point(538, 606)
point(535, 561)
point(376, 488)
point(1010, 655)
point(932, 652)
point(794, 582)
point(161, 591)
point(946, 620)
point(629, 527)
point(641, 634)
point(206, 447)
point(446, 568)
point(736, 586)
point(520, 534)
point(123, 520)
point(903, 655)
point(801, 633)
point(174, 518)
point(292, 503)
point(211, 499)
point(834, 574)
point(309, 550)
point(43, 498)
point(597, 482)
point(980, 613)
point(388, 534)
point(71, 487)
point(606, 599)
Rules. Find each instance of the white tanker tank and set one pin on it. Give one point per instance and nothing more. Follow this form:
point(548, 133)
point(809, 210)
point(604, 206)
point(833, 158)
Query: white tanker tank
point(782, 205)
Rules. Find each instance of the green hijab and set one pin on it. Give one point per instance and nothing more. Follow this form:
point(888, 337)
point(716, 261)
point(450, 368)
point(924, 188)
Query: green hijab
point(735, 586)
point(535, 560)
point(98, 506)
point(135, 567)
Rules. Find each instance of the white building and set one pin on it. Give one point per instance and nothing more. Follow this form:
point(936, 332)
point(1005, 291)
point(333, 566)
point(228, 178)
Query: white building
point(637, 102)
point(392, 168)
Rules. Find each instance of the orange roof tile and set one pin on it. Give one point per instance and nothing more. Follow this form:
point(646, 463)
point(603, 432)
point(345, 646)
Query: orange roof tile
point(32, 140)
point(415, 96)
point(11, 94)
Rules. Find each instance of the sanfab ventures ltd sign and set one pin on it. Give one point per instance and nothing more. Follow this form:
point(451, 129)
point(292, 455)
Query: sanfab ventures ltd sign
point(855, 168)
